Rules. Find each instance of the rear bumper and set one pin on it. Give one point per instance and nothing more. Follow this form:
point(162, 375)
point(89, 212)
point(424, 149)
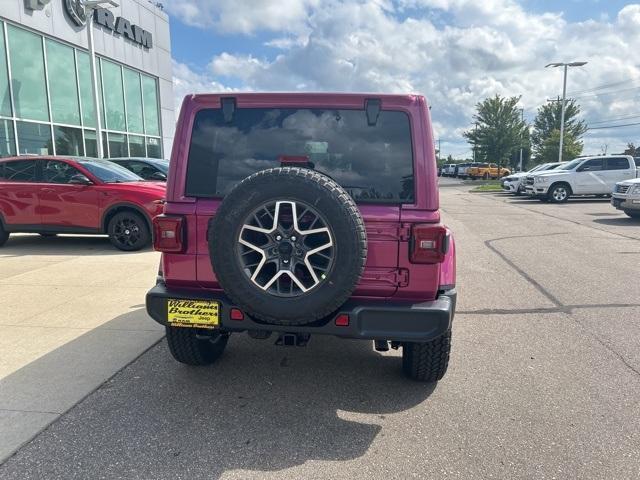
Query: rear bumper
point(371, 320)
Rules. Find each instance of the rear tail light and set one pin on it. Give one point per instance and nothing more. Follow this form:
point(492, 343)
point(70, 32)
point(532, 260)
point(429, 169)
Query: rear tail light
point(429, 243)
point(168, 235)
point(236, 314)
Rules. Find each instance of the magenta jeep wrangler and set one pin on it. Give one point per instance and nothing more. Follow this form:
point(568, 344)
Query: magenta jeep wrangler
point(301, 214)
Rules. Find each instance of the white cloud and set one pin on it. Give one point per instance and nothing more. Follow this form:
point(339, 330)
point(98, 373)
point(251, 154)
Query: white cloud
point(247, 16)
point(186, 81)
point(485, 48)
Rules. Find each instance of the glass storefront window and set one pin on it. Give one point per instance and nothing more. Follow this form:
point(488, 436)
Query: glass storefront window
point(49, 102)
point(136, 146)
point(113, 96)
point(7, 140)
point(27, 74)
point(133, 98)
point(34, 138)
point(68, 141)
point(118, 145)
point(150, 99)
point(63, 89)
point(86, 90)
point(5, 98)
point(90, 143)
point(153, 148)
point(100, 92)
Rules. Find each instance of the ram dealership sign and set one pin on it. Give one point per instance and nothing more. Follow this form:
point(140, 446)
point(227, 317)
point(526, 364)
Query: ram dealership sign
point(103, 17)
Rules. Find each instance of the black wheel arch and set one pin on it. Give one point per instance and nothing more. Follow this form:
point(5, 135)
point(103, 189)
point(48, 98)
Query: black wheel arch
point(123, 207)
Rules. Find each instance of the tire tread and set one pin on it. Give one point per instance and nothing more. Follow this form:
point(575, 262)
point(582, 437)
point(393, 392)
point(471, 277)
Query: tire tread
point(427, 362)
point(187, 348)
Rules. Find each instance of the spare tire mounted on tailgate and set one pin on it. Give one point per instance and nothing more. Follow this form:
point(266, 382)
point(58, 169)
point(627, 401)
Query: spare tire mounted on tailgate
point(288, 245)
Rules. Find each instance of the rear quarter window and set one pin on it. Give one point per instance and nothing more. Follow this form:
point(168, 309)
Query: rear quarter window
point(19, 171)
point(617, 163)
point(373, 163)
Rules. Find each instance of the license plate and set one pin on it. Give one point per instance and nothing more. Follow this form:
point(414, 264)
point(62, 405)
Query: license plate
point(193, 313)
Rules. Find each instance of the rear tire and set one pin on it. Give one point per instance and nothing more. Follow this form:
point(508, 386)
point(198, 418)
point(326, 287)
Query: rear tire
point(128, 231)
point(629, 213)
point(187, 347)
point(4, 235)
point(427, 362)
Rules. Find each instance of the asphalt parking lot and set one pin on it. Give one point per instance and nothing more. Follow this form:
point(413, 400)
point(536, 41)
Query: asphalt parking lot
point(544, 378)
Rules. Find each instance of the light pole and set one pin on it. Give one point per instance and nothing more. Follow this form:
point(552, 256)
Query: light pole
point(89, 7)
point(564, 95)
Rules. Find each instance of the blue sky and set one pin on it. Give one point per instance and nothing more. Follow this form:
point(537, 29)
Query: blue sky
point(456, 52)
point(195, 46)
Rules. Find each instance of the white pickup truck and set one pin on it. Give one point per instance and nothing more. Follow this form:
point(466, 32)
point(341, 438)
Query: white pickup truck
point(582, 176)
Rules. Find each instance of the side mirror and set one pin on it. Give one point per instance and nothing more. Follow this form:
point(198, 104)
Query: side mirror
point(159, 176)
point(80, 179)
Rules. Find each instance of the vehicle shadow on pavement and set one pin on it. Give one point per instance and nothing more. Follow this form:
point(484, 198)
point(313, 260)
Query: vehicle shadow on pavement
point(622, 221)
point(260, 408)
point(20, 245)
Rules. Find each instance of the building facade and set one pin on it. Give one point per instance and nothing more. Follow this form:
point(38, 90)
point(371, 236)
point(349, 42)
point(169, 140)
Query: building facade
point(47, 100)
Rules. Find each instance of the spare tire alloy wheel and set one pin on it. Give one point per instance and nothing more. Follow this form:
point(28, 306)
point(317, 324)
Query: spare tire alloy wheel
point(286, 248)
point(288, 245)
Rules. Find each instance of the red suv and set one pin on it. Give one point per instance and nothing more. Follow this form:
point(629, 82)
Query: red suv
point(50, 195)
point(301, 214)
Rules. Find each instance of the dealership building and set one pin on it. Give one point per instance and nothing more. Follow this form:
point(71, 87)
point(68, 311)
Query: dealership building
point(51, 103)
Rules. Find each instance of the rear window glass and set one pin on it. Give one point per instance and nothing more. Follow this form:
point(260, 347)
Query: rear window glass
point(20, 171)
point(619, 163)
point(373, 163)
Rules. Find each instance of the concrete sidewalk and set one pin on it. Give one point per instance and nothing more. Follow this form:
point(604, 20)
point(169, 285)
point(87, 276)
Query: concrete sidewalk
point(71, 315)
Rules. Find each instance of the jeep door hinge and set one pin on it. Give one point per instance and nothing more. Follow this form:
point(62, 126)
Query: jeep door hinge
point(402, 277)
point(404, 233)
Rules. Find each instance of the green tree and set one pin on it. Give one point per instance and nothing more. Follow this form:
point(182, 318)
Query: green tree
point(547, 125)
point(499, 131)
point(550, 148)
point(632, 150)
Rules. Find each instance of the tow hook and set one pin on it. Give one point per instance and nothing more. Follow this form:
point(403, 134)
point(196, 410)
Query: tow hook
point(293, 339)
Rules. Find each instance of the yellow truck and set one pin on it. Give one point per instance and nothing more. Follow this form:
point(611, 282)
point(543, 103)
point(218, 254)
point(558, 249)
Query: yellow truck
point(487, 171)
